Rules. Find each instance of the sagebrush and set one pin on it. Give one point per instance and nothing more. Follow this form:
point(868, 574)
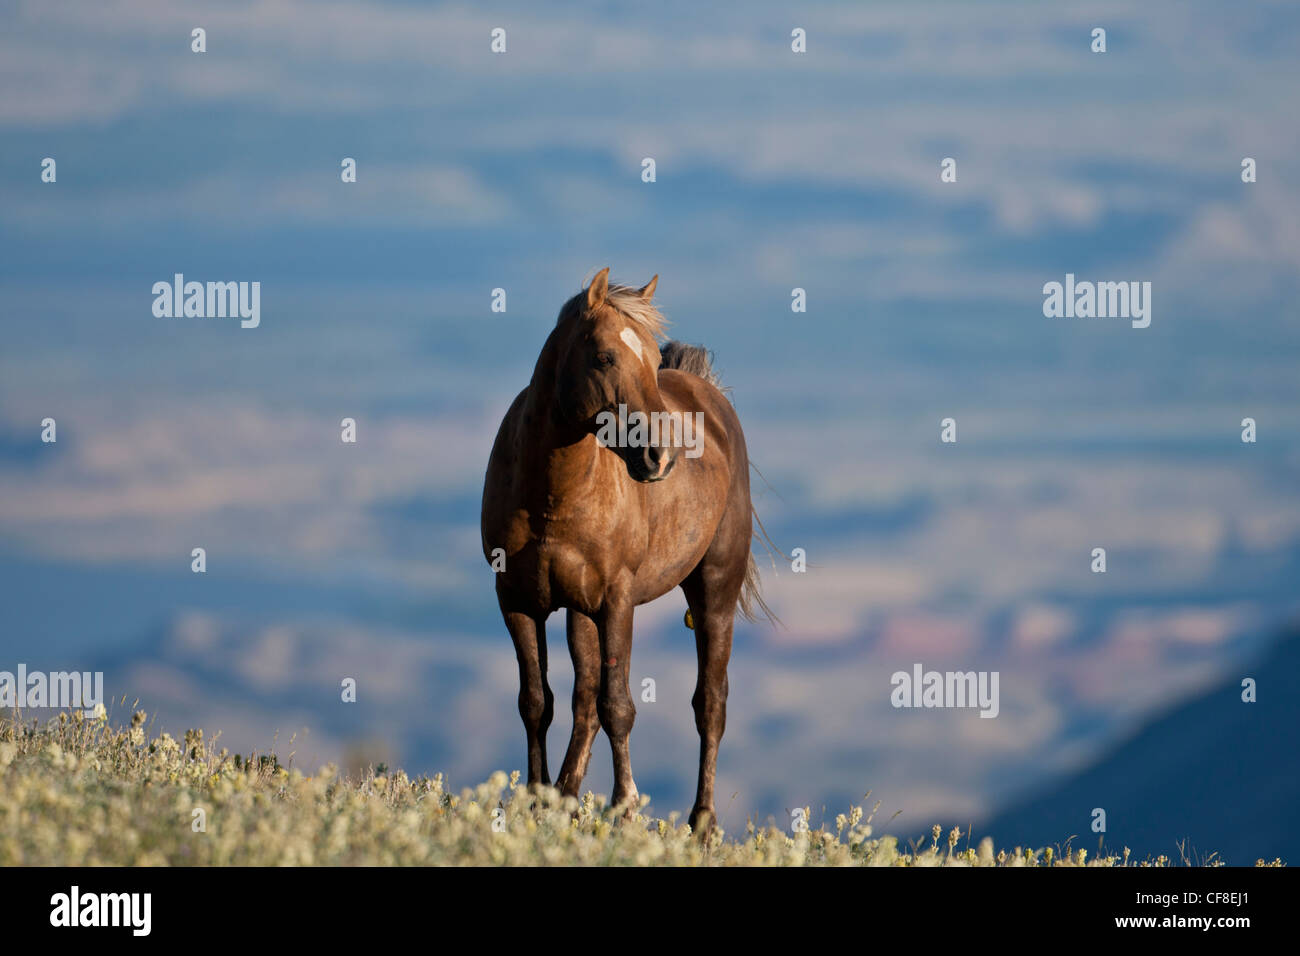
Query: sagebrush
point(76, 790)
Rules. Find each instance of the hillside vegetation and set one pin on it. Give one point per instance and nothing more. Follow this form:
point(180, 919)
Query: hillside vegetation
point(78, 791)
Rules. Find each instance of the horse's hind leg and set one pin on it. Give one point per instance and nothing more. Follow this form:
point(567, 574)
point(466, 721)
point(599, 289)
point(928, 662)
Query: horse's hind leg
point(584, 648)
point(536, 702)
point(711, 591)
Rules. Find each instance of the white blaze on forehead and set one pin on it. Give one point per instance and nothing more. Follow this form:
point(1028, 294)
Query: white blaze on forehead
point(631, 341)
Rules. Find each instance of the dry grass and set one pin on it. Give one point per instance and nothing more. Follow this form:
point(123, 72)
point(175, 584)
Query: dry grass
point(77, 791)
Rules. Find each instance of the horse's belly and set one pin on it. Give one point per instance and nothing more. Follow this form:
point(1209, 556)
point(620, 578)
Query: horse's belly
point(669, 559)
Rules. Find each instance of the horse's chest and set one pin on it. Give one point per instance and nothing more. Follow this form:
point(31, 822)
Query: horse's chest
point(572, 578)
point(574, 564)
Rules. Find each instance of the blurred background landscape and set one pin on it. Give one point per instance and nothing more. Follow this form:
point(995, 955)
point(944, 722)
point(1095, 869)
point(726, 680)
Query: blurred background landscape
point(821, 171)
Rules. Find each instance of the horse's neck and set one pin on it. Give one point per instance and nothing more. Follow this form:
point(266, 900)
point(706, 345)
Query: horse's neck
point(562, 459)
point(569, 470)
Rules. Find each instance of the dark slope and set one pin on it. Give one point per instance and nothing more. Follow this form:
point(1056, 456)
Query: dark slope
point(1222, 774)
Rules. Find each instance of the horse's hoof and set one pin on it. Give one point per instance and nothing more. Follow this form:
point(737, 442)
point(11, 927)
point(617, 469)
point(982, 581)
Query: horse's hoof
point(701, 823)
point(629, 806)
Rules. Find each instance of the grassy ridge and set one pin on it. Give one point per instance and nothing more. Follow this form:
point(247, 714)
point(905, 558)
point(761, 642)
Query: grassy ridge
point(77, 791)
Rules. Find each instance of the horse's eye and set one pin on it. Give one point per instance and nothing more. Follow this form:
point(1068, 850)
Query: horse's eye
point(604, 359)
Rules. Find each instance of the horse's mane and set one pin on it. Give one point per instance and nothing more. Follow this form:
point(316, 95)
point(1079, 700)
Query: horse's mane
point(627, 302)
point(695, 359)
point(639, 311)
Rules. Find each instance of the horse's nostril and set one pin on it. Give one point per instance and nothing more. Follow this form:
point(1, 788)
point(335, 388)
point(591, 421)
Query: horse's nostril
point(658, 462)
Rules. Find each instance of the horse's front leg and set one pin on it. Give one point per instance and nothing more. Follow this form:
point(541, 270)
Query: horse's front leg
point(584, 648)
point(614, 701)
point(536, 702)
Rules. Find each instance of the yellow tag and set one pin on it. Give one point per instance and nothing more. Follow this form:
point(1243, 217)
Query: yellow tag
point(690, 621)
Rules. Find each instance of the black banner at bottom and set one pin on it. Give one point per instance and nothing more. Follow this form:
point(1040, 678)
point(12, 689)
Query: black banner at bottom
point(367, 905)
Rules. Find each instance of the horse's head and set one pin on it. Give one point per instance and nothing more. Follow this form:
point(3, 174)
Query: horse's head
point(608, 370)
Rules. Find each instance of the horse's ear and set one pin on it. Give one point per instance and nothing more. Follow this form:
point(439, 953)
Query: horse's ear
point(599, 288)
point(647, 291)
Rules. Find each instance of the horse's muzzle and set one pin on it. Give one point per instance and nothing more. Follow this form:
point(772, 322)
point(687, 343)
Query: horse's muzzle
point(653, 464)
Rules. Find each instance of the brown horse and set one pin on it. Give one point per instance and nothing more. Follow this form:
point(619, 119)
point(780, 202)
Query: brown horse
point(599, 527)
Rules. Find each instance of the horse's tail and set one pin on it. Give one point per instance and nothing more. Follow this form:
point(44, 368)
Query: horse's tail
point(698, 360)
point(751, 597)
